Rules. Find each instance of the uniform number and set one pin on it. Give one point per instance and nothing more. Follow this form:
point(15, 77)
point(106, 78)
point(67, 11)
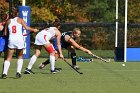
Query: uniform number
point(45, 37)
point(14, 29)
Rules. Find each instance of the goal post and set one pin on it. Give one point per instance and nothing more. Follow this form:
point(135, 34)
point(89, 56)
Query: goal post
point(125, 28)
point(121, 52)
point(125, 53)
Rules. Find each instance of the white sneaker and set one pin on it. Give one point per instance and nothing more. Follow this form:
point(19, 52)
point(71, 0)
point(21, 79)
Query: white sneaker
point(54, 71)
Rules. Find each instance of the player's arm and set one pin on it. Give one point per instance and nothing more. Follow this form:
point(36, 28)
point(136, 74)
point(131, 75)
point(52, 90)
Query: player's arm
point(1, 27)
point(58, 36)
point(27, 27)
point(76, 45)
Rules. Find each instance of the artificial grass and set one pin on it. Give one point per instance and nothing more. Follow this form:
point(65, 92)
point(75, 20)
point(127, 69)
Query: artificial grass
point(98, 77)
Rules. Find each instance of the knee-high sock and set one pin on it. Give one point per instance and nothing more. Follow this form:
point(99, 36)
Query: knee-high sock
point(19, 65)
point(32, 61)
point(46, 62)
point(52, 62)
point(6, 67)
point(73, 57)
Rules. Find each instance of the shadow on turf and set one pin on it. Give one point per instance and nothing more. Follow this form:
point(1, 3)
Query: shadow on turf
point(37, 73)
point(10, 77)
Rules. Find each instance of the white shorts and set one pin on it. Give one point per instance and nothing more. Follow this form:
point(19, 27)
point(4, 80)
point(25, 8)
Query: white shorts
point(41, 40)
point(16, 44)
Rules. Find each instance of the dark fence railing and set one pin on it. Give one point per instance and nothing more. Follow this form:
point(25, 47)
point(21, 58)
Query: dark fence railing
point(101, 35)
point(89, 24)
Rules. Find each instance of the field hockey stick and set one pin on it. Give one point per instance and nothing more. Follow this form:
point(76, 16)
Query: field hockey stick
point(28, 34)
point(73, 67)
point(107, 61)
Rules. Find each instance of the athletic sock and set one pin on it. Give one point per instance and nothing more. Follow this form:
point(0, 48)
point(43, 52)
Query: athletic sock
point(73, 57)
point(6, 67)
point(32, 61)
point(19, 65)
point(52, 62)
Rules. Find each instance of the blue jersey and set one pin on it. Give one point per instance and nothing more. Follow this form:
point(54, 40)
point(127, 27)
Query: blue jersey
point(3, 41)
point(64, 44)
point(1, 33)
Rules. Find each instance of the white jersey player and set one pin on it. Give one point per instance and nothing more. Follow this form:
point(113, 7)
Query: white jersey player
point(43, 39)
point(15, 34)
point(14, 28)
point(45, 35)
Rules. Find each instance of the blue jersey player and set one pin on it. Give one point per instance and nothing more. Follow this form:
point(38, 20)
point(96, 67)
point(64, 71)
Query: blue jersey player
point(3, 38)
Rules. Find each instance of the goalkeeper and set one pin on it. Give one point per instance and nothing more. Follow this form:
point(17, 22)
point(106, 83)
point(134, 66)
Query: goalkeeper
point(68, 41)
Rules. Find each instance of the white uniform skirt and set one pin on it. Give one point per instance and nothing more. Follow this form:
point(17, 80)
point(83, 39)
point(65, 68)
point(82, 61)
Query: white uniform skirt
point(16, 43)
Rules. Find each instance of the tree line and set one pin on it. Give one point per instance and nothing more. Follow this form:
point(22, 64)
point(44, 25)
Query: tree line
point(87, 11)
point(78, 10)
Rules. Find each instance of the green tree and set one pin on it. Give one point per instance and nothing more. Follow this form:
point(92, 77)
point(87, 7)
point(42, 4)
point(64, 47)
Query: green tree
point(82, 10)
point(134, 11)
point(101, 10)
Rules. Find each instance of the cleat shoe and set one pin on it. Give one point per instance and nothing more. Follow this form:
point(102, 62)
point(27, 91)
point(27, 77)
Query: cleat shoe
point(58, 69)
point(76, 67)
point(28, 71)
point(42, 66)
point(3, 76)
point(18, 75)
point(54, 71)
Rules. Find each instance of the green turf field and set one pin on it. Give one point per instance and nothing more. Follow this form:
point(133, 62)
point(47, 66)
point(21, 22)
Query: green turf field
point(97, 77)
